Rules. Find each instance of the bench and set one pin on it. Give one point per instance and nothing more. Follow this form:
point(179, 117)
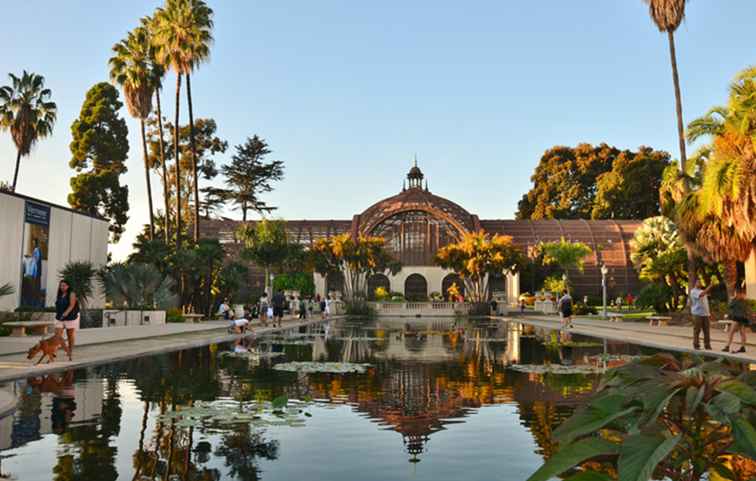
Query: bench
point(615, 316)
point(37, 328)
point(658, 321)
point(727, 324)
point(193, 318)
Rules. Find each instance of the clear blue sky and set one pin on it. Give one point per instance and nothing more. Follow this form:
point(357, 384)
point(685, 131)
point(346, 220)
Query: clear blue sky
point(347, 92)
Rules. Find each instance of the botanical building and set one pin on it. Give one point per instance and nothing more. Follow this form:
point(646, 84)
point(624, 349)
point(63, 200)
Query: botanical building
point(416, 222)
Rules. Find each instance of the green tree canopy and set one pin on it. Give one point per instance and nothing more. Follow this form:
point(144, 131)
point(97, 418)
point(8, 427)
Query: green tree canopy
point(564, 253)
point(595, 182)
point(265, 244)
point(98, 154)
point(248, 176)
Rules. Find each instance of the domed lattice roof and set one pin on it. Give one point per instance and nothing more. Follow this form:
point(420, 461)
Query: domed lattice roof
point(416, 199)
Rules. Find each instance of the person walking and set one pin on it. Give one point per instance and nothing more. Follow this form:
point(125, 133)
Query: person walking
point(264, 309)
point(327, 307)
point(67, 315)
point(738, 312)
point(322, 306)
point(279, 304)
point(564, 306)
point(302, 308)
point(699, 309)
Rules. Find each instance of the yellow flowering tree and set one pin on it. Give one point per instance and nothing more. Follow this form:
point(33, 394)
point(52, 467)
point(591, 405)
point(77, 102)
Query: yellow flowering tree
point(357, 258)
point(476, 257)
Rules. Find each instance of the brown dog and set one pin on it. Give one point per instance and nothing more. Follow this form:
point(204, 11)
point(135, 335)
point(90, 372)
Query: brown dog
point(48, 347)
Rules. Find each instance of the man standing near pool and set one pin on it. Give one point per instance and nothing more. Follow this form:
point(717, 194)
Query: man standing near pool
point(279, 303)
point(699, 309)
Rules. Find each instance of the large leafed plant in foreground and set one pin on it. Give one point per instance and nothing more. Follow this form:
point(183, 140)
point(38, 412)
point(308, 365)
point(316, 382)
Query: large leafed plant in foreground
point(661, 418)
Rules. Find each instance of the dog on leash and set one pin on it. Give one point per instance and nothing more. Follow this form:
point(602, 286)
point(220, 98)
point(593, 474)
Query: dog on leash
point(48, 347)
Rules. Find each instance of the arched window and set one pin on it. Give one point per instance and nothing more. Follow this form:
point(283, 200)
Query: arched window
point(416, 288)
point(447, 283)
point(335, 282)
point(413, 237)
point(374, 282)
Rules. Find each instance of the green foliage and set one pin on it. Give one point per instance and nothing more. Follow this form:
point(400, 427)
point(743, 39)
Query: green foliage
point(595, 182)
point(137, 286)
point(297, 281)
point(207, 147)
point(359, 308)
point(563, 253)
point(583, 309)
point(660, 418)
point(98, 154)
point(248, 176)
point(655, 296)
point(80, 276)
point(229, 281)
point(174, 315)
point(27, 112)
point(554, 284)
point(7, 289)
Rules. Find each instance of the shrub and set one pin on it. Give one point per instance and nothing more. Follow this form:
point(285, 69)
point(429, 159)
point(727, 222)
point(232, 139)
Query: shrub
point(381, 294)
point(174, 315)
point(359, 309)
point(661, 418)
point(296, 281)
point(436, 296)
point(655, 296)
point(583, 309)
point(554, 284)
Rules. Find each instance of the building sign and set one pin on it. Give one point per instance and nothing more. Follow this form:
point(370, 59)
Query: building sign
point(37, 213)
point(34, 254)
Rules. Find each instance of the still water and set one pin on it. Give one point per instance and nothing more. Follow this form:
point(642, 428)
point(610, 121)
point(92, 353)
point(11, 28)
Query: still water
point(432, 400)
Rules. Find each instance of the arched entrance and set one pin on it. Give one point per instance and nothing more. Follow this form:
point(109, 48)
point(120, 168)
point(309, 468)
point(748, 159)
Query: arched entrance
point(374, 282)
point(335, 282)
point(447, 282)
point(416, 288)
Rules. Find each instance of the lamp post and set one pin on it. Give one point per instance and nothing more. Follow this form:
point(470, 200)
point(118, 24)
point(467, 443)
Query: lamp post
point(604, 272)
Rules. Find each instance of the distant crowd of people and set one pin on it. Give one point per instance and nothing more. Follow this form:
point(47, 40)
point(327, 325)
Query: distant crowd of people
point(274, 308)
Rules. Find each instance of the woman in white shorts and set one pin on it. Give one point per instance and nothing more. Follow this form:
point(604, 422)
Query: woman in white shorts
point(67, 315)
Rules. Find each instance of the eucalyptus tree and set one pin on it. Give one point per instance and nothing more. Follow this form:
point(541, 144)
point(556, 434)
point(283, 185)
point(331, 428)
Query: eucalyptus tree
point(182, 36)
point(27, 112)
point(131, 69)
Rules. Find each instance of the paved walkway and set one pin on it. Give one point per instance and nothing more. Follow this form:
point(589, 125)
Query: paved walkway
point(672, 338)
point(98, 346)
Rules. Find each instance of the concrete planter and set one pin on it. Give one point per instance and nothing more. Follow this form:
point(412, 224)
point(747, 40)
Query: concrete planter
point(115, 318)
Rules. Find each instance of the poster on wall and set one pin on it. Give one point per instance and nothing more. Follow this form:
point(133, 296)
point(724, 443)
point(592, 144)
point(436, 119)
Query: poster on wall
point(34, 254)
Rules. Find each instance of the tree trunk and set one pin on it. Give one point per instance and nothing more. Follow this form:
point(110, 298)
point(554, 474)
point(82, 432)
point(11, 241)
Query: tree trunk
point(681, 140)
point(731, 277)
point(166, 194)
point(15, 174)
point(177, 156)
point(267, 282)
point(678, 100)
point(147, 179)
point(194, 159)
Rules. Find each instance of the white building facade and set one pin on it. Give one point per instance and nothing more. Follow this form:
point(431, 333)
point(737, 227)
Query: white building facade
point(38, 239)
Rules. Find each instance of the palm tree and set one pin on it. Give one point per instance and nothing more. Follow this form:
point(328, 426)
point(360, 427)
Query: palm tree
point(26, 110)
point(723, 208)
point(158, 72)
point(668, 15)
point(130, 68)
point(183, 37)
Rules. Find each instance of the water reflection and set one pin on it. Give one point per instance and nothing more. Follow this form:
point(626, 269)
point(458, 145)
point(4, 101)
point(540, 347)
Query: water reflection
point(425, 377)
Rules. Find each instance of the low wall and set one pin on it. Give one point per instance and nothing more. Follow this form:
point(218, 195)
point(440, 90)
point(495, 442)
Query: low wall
point(114, 317)
point(421, 309)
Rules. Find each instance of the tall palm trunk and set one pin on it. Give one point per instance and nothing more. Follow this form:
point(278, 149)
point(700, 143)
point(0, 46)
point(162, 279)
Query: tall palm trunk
point(731, 277)
point(18, 165)
point(678, 100)
point(177, 156)
point(193, 148)
point(166, 194)
point(147, 179)
point(681, 139)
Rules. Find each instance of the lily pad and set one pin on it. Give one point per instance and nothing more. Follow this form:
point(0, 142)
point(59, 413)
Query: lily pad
point(326, 367)
point(555, 369)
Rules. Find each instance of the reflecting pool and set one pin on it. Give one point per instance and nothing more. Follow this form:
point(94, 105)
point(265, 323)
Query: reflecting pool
point(438, 399)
